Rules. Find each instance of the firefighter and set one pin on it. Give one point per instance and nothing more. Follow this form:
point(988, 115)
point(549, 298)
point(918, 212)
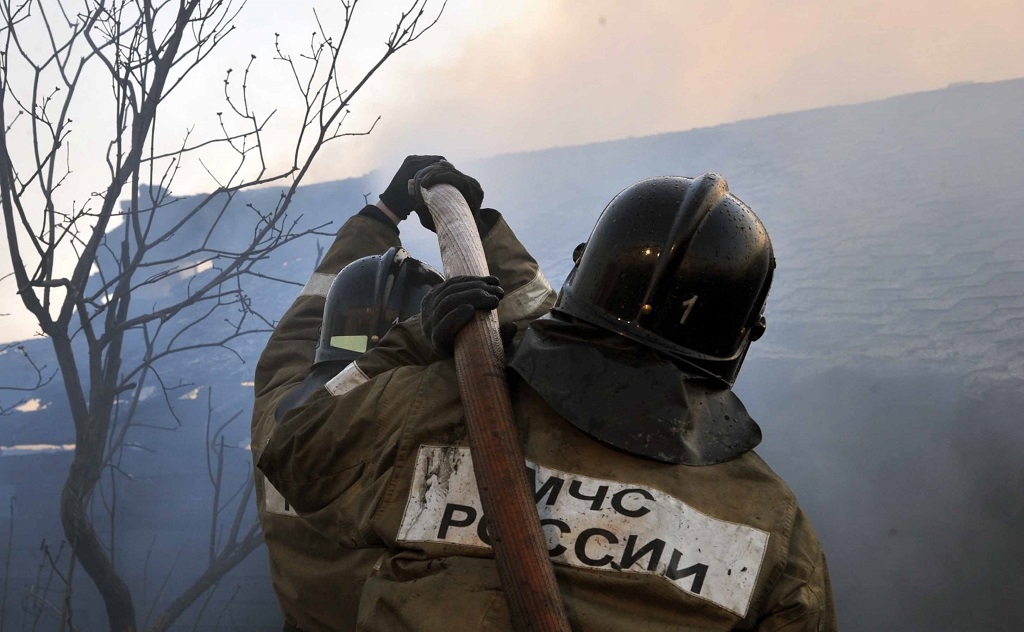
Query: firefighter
point(365, 283)
point(657, 512)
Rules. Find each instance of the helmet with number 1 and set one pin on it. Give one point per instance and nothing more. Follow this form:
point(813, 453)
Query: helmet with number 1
point(367, 297)
point(679, 265)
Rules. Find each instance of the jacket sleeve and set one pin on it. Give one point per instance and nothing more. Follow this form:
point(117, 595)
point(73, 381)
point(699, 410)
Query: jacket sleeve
point(333, 457)
point(528, 296)
point(286, 359)
point(290, 350)
point(327, 456)
point(802, 600)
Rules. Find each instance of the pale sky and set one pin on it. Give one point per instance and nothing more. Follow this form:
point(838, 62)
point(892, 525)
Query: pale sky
point(498, 76)
point(536, 74)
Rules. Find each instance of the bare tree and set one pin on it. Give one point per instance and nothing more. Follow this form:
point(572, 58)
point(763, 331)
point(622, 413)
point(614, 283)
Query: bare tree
point(139, 53)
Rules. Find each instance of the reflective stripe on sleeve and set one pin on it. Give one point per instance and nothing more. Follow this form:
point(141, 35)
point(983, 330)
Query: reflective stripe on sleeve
point(318, 285)
point(525, 301)
point(349, 378)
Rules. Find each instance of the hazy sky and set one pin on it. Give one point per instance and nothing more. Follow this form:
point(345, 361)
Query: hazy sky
point(534, 74)
point(496, 76)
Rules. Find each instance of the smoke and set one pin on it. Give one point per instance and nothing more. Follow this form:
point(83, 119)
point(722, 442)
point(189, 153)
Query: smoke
point(563, 73)
point(910, 483)
point(499, 77)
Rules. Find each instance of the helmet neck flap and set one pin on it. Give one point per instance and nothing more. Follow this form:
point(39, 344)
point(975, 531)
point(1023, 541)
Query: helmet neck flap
point(630, 397)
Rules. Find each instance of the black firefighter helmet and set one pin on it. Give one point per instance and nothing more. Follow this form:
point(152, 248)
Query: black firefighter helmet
point(367, 297)
point(679, 265)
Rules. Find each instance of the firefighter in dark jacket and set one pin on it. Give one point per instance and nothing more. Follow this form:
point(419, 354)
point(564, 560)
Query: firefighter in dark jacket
point(657, 512)
point(364, 284)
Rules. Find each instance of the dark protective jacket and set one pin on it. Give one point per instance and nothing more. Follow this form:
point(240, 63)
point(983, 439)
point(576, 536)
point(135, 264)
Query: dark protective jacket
point(318, 580)
point(382, 460)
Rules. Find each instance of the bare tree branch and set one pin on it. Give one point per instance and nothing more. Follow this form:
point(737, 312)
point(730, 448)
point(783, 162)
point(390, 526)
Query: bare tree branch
point(88, 264)
point(38, 377)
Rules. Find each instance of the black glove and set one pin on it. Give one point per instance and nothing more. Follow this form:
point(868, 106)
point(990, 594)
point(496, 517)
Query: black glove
point(396, 196)
point(449, 307)
point(443, 172)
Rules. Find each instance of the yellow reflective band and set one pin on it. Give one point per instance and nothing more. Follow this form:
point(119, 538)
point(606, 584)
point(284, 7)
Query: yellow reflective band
point(352, 343)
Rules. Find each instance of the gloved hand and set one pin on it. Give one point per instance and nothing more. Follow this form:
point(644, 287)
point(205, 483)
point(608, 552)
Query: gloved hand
point(443, 172)
point(449, 307)
point(396, 196)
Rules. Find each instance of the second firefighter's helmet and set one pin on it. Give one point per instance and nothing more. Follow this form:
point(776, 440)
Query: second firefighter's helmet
point(679, 265)
point(367, 297)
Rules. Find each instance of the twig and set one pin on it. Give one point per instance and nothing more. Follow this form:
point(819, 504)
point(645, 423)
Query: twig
point(66, 613)
point(227, 606)
point(7, 565)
